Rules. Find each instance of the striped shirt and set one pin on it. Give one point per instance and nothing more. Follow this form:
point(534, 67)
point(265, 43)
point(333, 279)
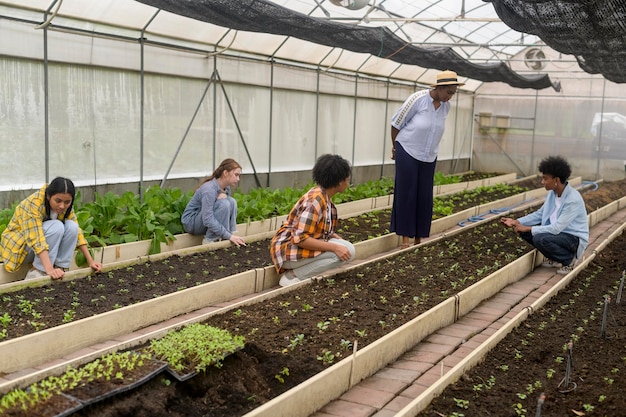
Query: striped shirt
point(420, 125)
point(313, 216)
point(25, 230)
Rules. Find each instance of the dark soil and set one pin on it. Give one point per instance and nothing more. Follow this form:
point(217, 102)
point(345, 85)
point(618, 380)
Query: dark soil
point(363, 304)
point(532, 359)
point(310, 328)
point(34, 309)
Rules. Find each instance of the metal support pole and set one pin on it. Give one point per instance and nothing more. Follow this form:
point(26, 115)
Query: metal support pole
point(142, 91)
point(354, 116)
point(46, 105)
point(232, 112)
point(384, 136)
point(531, 168)
point(195, 113)
point(271, 123)
point(317, 113)
point(599, 154)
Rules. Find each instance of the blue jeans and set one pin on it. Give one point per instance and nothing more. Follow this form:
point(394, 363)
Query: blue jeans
point(309, 267)
point(224, 212)
point(561, 248)
point(61, 239)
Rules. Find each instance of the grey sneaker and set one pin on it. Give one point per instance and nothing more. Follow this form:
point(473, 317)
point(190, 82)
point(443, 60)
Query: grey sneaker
point(35, 273)
point(566, 269)
point(549, 263)
point(206, 241)
point(286, 281)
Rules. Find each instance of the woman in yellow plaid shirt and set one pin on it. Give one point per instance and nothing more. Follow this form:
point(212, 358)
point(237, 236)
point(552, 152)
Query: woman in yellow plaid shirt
point(306, 244)
point(44, 231)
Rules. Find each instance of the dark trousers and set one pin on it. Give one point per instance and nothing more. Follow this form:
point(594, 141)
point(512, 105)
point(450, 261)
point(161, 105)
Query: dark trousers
point(412, 210)
point(561, 248)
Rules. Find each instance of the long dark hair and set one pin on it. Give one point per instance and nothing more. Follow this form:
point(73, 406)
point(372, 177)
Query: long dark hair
point(227, 164)
point(60, 185)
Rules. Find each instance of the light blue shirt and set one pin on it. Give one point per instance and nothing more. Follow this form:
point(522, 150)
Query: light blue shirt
point(571, 217)
point(420, 125)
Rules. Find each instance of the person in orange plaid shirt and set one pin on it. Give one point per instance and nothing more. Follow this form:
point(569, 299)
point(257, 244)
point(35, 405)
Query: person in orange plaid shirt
point(306, 244)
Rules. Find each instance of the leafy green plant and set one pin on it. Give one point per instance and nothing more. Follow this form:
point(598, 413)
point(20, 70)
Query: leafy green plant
point(327, 357)
point(113, 366)
point(461, 403)
point(195, 347)
point(282, 374)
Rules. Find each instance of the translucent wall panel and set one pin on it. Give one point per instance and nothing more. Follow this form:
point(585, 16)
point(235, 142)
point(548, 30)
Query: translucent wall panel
point(94, 123)
point(371, 132)
point(251, 113)
point(21, 124)
point(521, 127)
point(336, 125)
point(107, 124)
point(293, 142)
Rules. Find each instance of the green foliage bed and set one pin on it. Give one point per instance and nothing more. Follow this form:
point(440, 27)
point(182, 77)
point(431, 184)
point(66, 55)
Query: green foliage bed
point(114, 219)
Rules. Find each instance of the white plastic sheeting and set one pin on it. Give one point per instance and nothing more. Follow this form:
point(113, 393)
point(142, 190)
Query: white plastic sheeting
point(470, 27)
point(85, 100)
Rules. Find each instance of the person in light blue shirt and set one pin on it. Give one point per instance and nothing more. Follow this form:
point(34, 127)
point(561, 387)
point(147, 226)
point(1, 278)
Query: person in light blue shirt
point(416, 131)
point(212, 211)
point(560, 228)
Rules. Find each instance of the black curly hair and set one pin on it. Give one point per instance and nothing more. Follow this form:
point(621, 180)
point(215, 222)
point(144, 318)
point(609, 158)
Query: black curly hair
point(555, 166)
point(330, 170)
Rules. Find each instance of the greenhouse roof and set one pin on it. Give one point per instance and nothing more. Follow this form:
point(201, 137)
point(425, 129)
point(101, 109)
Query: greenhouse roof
point(401, 39)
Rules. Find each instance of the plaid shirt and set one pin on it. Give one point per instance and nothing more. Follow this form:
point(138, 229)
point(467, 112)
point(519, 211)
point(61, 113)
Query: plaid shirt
point(312, 217)
point(25, 230)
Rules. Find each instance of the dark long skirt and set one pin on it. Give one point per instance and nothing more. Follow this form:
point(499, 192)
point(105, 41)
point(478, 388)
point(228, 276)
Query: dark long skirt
point(412, 210)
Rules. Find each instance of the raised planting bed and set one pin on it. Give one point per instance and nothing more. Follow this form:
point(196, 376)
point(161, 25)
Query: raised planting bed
point(535, 361)
point(309, 321)
point(301, 331)
point(182, 354)
point(261, 228)
point(151, 291)
point(39, 348)
point(305, 338)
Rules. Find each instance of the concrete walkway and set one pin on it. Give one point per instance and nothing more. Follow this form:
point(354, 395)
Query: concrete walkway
point(393, 387)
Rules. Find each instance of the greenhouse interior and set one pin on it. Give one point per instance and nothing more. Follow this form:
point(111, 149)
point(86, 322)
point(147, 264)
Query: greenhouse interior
point(120, 94)
point(127, 95)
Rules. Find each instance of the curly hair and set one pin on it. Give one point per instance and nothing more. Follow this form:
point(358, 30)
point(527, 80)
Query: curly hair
point(556, 166)
point(330, 170)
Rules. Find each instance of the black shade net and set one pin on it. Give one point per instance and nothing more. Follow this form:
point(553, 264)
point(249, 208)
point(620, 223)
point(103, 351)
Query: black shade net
point(594, 31)
point(266, 17)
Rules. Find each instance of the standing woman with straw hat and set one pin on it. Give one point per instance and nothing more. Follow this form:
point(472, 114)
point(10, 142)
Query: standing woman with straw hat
point(416, 130)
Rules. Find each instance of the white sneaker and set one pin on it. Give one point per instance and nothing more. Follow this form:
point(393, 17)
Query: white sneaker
point(35, 273)
point(285, 281)
point(566, 269)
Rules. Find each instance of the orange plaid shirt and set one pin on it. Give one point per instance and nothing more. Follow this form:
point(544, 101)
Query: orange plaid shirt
point(313, 216)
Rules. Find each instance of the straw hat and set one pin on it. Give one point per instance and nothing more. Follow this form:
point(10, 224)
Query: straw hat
point(447, 77)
